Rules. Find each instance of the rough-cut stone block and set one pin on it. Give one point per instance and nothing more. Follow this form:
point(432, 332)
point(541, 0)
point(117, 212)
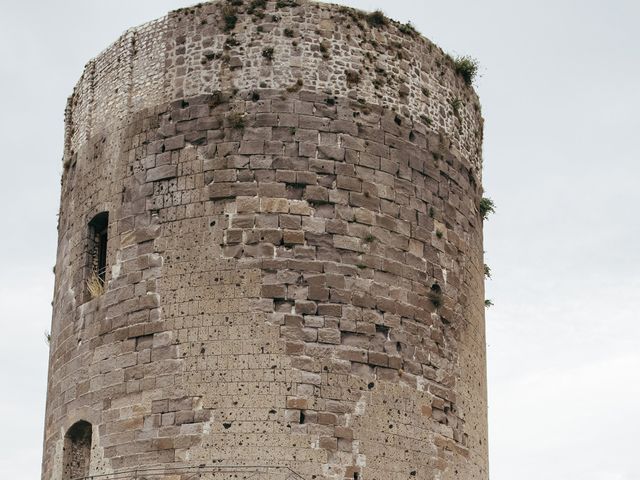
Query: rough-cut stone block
point(164, 172)
point(293, 237)
point(174, 143)
point(331, 152)
point(274, 291)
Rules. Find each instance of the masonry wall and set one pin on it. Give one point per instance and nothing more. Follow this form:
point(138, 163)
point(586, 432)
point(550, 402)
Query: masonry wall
point(295, 272)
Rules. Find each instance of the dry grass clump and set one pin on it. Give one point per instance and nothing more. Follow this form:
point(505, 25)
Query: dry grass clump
point(95, 285)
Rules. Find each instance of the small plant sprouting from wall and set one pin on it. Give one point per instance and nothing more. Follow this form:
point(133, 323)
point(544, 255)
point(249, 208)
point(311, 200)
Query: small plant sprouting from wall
point(289, 33)
point(467, 68)
point(456, 104)
point(95, 285)
point(488, 303)
point(286, 3)
point(230, 18)
point(439, 233)
point(377, 19)
point(487, 271)
point(486, 207)
point(47, 337)
point(268, 53)
point(369, 239)
point(408, 29)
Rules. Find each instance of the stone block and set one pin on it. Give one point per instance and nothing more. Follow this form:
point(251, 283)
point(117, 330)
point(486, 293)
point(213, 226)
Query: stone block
point(174, 143)
point(163, 172)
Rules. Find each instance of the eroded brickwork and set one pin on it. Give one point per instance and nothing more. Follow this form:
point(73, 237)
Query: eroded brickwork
point(294, 273)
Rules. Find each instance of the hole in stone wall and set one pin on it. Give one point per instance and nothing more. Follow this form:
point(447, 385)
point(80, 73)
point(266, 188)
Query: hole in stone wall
point(435, 295)
point(77, 451)
point(382, 329)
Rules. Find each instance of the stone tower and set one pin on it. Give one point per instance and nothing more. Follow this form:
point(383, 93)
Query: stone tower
point(270, 254)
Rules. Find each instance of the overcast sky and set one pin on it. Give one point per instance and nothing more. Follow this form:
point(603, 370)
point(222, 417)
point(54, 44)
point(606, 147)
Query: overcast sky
point(560, 96)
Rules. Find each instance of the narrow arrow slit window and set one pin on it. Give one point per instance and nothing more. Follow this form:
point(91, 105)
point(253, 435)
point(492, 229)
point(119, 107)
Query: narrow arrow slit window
point(98, 236)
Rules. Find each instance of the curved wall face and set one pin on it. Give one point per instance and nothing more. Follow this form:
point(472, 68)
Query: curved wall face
point(294, 272)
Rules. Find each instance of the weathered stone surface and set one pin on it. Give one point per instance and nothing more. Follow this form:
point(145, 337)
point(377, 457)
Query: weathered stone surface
point(162, 173)
point(276, 291)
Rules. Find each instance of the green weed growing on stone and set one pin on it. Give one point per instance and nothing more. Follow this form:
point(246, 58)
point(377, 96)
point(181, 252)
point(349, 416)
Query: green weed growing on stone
point(486, 207)
point(377, 19)
point(408, 29)
point(487, 271)
point(467, 68)
point(230, 18)
point(286, 3)
point(456, 104)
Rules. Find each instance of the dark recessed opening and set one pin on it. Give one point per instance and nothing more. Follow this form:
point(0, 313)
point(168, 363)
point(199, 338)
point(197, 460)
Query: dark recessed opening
point(77, 450)
point(98, 236)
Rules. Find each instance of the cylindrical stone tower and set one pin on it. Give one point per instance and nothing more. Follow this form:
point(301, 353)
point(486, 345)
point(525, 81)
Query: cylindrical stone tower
point(270, 254)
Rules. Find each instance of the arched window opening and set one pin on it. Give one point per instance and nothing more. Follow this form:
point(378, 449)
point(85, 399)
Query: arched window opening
point(98, 236)
point(77, 451)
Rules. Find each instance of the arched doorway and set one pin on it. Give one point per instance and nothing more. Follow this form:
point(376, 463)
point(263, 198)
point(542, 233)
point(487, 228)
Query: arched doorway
point(77, 450)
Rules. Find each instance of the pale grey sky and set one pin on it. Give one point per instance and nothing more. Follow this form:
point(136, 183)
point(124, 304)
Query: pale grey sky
point(560, 97)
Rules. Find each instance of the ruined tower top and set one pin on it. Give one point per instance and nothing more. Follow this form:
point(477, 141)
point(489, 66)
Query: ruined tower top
point(270, 254)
